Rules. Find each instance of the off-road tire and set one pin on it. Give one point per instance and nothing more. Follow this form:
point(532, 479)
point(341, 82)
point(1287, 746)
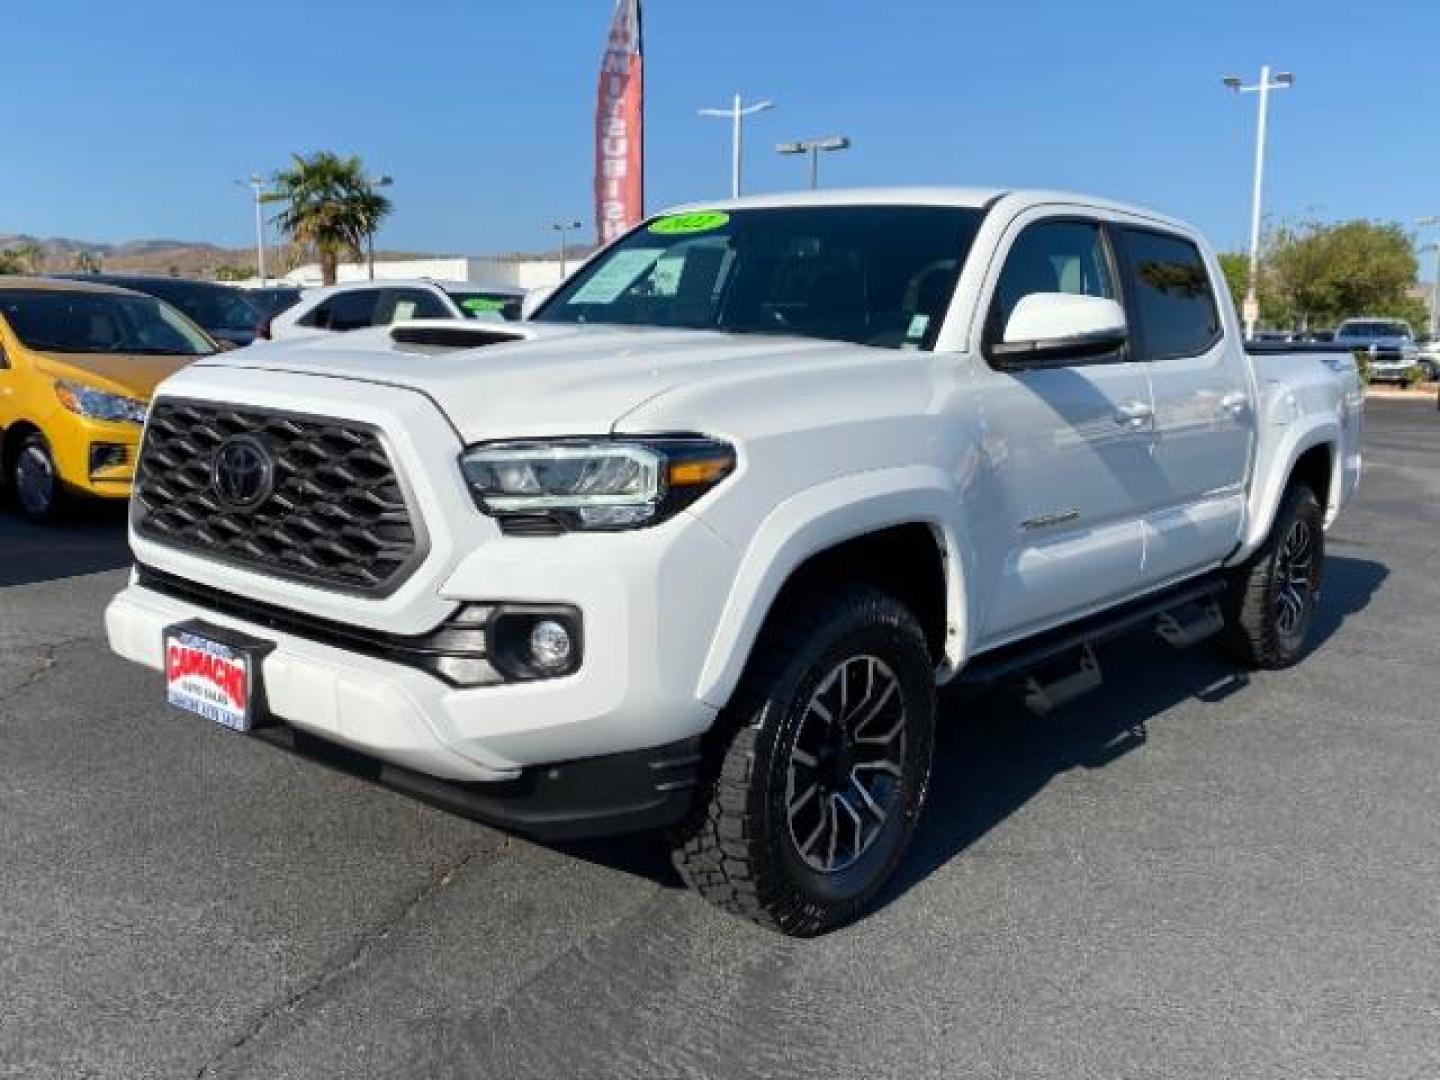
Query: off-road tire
point(1256, 631)
point(738, 848)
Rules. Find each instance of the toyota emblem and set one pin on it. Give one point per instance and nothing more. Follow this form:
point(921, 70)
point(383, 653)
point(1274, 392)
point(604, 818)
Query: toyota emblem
point(243, 475)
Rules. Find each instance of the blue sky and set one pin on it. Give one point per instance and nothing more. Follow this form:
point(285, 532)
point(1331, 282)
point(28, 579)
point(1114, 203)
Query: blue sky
point(132, 120)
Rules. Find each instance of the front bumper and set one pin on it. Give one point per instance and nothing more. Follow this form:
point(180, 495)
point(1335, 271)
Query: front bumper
point(385, 721)
point(1383, 372)
point(631, 792)
point(75, 442)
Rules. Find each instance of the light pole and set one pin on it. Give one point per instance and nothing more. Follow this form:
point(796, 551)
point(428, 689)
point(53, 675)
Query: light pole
point(1433, 219)
point(258, 184)
point(384, 180)
point(1283, 80)
point(564, 228)
point(813, 147)
point(737, 114)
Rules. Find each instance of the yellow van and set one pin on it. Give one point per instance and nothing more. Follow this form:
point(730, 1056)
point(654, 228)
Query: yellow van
point(78, 363)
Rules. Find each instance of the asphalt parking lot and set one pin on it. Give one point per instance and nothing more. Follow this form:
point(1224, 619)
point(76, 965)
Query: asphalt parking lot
point(1187, 874)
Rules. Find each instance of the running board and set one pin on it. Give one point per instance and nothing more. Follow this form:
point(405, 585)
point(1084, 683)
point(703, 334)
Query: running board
point(1190, 624)
point(1074, 645)
point(1043, 698)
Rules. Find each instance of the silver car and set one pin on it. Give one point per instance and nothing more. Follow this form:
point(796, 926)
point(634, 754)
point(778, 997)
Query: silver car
point(1390, 344)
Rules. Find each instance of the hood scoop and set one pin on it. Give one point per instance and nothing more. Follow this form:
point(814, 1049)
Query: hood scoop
point(452, 334)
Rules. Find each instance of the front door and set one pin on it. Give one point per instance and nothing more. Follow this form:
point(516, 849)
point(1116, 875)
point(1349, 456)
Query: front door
point(9, 383)
point(1064, 449)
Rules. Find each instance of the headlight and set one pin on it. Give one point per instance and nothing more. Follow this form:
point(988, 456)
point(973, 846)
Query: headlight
point(594, 483)
point(98, 404)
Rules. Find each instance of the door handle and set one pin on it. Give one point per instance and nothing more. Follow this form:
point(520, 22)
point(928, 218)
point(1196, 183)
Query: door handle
point(1133, 414)
point(1234, 404)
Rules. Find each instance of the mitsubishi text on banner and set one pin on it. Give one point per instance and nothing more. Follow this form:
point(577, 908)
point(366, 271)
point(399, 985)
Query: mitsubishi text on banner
point(620, 127)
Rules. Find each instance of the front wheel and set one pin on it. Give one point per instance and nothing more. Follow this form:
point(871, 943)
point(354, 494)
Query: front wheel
point(36, 481)
point(818, 768)
point(1272, 598)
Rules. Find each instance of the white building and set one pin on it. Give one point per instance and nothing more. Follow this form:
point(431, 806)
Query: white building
point(519, 273)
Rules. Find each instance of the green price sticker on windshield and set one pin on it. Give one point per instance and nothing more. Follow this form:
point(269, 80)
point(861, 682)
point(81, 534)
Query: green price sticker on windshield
point(483, 303)
point(683, 224)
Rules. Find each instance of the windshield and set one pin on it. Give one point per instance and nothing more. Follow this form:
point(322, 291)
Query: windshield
point(486, 306)
point(215, 307)
point(93, 322)
point(1373, 328)
point(874, 275)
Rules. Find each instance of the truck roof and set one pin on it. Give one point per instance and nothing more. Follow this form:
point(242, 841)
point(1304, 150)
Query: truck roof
point(974, 197)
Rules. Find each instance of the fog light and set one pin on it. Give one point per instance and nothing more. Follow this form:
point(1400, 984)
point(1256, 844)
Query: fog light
point(550, 645)
point(528, 641)
point(106, 456)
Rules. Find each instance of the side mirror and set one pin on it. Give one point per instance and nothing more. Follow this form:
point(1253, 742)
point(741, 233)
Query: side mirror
point(534, 298)
point(1050, 327)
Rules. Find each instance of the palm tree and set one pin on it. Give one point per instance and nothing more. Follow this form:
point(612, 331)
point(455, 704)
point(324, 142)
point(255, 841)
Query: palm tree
point(331, 207)
point(30, 256)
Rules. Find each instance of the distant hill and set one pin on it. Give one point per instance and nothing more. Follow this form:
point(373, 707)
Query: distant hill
point(184, 258)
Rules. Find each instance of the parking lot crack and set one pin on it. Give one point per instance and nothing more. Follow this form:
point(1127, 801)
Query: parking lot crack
point(43, 664)
point(340, 965)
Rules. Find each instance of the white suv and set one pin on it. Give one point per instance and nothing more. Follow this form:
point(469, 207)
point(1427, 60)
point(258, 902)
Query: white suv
point(361, 304)
point(693, 548)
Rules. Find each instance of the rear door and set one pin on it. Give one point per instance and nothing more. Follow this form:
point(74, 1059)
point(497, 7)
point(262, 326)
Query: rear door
point(1065, 446)
point(404, 304)
point(353, 309)
point(1194, 491)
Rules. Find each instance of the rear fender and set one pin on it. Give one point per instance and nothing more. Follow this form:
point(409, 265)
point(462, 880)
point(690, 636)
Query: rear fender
point(1279, 451)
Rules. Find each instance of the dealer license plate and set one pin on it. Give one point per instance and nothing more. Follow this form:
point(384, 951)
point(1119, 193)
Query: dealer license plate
point(216, 679)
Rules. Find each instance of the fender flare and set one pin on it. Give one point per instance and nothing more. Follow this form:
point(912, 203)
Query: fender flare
point(1269, 488)
point(820, 518)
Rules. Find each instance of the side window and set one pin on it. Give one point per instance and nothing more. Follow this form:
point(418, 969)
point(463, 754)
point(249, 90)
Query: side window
point(402, 305)
point(353, 310)
point(1052, 257)
point(1173, 298)
point(318, 316)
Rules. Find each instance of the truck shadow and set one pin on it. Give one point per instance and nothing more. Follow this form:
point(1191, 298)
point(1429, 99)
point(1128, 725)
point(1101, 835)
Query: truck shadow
point(992, 756)
point(92, 539)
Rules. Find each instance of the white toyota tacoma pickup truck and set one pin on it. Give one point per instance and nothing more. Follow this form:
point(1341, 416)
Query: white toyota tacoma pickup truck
point(693, 547)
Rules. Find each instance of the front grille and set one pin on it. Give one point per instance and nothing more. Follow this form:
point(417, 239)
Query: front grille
point(337, 516)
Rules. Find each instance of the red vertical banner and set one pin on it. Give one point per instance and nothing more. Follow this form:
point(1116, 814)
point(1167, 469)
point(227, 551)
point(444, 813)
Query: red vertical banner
point(620, 127)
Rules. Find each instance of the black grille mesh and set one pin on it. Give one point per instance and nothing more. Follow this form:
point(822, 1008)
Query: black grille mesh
point(337, 518)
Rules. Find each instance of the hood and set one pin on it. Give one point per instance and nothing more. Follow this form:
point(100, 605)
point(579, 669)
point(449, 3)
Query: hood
point(558, 380)
point(119, 373)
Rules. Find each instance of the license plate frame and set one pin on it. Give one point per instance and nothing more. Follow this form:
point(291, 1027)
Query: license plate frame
point(216, 673)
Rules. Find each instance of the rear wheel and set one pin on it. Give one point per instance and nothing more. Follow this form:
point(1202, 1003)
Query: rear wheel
point(1271, 602)
point(35, 481)
point(818, 768)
